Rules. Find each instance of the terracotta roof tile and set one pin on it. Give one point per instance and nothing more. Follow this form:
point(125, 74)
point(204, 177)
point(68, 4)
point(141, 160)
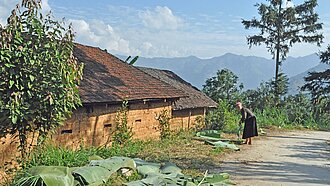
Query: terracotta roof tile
point(195, 99)
point(108, 79)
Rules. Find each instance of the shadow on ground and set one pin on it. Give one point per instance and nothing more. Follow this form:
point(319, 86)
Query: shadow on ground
point(309, 148)
point(297, 159)
point(280, 172)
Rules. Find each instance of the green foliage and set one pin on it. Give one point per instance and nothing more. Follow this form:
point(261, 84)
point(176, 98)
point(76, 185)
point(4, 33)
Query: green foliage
point(95, 173)
point(199, 123)
point(123, 133)
point(132, 61)
point(57, 156)
point(295, 111)
point(269, 101)
point(217, 150)
point(177, 147)
point(279, 87)
point(119, 179)
point(46, 175)
point(224, 86)
point(39, 75)
point(221, 117)
point(318, 84)
point(282, 27)
point(268, 94)
point(164, 122)
point(323, 121)
point(50, 155)
point(272, 116)
point(299, 110)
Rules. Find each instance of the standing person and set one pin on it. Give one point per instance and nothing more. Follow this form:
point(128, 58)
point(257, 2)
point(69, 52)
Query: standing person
point(250, 123)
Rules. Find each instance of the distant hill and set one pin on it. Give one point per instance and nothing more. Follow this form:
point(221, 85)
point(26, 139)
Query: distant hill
point(296, 82)
point(251, 70)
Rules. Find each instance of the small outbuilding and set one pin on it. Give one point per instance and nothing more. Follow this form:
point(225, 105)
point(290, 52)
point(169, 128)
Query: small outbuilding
point(189, 111)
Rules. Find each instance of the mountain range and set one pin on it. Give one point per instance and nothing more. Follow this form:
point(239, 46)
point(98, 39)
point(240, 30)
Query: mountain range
point(251, 70)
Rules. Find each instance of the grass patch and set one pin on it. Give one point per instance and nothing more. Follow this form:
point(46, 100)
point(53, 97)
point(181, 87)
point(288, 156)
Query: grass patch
point(217, 151)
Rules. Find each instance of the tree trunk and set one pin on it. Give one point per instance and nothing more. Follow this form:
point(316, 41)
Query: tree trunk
point(278, 53)
point(277, 59)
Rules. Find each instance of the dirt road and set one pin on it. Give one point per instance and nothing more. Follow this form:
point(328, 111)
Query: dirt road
point(285, 158)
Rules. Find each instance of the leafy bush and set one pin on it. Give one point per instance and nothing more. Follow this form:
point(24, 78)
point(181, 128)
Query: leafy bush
point(271, 116)
point(224, 117)
point(199, 123)
point(164, 122)
point(123, 133)
point(39, 74)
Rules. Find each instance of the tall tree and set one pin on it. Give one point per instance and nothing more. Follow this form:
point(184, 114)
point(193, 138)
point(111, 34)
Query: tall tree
point(318, 83)
point(39, 75)
point(223, 86)
point(282, 26)
point(280, 87)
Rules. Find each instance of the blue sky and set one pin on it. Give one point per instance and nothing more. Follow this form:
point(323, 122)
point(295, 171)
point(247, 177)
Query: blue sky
point(171, 28)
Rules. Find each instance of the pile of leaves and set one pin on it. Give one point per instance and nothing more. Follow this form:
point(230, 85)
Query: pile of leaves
point(99, 171)
point(213, 137)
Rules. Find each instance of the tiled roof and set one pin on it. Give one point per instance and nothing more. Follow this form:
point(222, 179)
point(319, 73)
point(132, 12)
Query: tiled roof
point(108, 79)
point(195, 99)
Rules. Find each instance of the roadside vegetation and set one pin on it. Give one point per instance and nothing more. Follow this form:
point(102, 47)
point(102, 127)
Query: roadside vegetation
point(300, 111)
point(194, 157)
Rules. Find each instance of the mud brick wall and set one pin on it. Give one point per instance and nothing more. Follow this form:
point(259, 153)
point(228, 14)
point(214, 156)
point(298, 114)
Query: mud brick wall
point(185, 119)
point(8, 149)
point(9, 153)
point(94, 125)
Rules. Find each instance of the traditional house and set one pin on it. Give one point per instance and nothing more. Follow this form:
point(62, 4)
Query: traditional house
point(107, 81)
point(187, 111)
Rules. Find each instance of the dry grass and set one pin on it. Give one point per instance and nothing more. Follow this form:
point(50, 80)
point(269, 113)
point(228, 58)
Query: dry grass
point(193, 156)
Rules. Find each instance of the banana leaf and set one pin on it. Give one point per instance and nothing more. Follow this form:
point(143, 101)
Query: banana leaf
point(140, 162)
point(114, 164)
point(95, 157)
point(144, 168)
point(223, 145)
point(48, 175)
point(91, 175)
point(209, 134)
point(162, 179)
point(169, 168)
point(216, 178)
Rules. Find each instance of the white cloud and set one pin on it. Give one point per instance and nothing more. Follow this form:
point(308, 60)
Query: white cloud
point(45, 7)
point(161, 18)
point(146, 47)
point(97, 33)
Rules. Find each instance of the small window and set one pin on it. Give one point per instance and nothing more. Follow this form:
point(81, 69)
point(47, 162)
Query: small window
point(138, 120)
point(107, 125)
point(66, 132)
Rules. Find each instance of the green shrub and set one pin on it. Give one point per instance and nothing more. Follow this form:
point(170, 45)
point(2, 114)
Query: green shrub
point(272, 116)
point(164, 122)
point(123, 133)
point(224, 117)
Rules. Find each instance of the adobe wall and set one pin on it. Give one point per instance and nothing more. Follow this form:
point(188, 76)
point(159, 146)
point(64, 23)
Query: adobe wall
point(94, 125)
point(185, 119)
